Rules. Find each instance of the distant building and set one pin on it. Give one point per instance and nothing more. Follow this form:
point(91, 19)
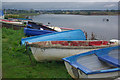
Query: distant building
point(1, 14)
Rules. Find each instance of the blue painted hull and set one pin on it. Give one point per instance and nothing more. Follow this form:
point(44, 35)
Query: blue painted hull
point(33, 32)
point(57, 36)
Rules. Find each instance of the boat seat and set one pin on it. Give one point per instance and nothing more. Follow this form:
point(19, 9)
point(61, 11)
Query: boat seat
point(110, 60)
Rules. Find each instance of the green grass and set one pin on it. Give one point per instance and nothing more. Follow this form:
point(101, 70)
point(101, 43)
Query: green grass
point(20, 15)
point(16, 63)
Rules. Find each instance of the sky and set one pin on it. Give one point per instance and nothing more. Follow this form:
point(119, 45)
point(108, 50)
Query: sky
point(60, 0)
point(61, 5)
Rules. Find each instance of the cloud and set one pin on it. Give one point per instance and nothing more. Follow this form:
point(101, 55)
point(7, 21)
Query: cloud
point(60, 5)
point(60, 1)
point(110, 5)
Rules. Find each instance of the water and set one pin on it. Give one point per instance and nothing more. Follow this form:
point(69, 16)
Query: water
point(104, 30)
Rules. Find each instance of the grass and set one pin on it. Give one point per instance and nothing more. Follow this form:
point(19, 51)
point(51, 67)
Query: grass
point(16, 63)
point(20, 15)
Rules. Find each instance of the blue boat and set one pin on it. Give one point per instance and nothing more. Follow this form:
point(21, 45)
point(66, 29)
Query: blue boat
point(39, 26)
point(101, 63)
point(34, 32)
point(1, 14)
point(34, 29)
point(19, 19)
point(61, 36)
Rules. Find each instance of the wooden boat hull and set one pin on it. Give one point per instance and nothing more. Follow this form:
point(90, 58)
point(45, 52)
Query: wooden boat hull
point(76, 72)
point(56, 50)
point(49, 54)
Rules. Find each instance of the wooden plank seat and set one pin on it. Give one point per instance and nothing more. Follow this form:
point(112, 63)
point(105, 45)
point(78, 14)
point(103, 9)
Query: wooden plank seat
point(110, 60)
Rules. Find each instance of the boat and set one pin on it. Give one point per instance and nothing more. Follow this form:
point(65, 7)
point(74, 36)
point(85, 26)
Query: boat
point(65, 29)
point(13, 26)
point(56, 50)
point(34, 29)
point(61, 36)
point(35, 32)
point(11, 22)
point(59, 29)
point(36, 25)
point(20, 19)
point(41, 31)
point(101, 63)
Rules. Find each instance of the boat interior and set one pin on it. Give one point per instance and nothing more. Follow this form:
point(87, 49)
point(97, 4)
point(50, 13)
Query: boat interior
point(72, 43)
point(33, 25)
point(93, 62)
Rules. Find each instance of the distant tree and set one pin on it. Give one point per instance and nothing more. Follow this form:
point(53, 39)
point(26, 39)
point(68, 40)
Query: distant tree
point(89, 13)
point(112, 10)
point(107, 10)
point(32, 10)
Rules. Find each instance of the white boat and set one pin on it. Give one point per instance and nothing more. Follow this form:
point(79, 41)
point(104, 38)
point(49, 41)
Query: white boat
point(102, 63)
point(59, 29)
point(14, 22)
point(56, 50)
point(11, 22)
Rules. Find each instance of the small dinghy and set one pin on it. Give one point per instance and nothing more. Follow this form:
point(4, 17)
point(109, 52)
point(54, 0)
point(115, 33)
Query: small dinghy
point(101, 63)
point(34, 29)
point(11, 22)
point(34, 32)
point(56, 50)
point(57, 36)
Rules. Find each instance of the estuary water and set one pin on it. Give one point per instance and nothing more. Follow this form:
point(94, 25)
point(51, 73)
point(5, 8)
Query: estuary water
point(103, 30)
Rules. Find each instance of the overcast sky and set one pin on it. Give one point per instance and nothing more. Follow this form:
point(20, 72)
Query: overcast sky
point(60, 0)
point(61, 5)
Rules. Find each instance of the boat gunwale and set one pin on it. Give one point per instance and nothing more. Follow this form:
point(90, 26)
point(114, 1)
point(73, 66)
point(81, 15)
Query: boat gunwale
point(67, 59)
point(70, 47)
point(37, 24)
point(50, 44)
point(37, 30)
point(28, 39)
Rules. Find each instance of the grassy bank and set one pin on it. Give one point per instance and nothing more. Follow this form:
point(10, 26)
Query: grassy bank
point(16, 63)
point(22, 15)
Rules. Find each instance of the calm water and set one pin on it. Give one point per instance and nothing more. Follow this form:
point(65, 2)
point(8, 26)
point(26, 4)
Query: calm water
point(103, 29)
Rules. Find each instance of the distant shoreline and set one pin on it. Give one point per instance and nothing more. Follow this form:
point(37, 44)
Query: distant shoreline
point(29, 15)
point(82, 14)
point(10, 13)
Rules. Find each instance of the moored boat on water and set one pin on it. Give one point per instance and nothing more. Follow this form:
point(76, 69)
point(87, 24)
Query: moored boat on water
point(56, 50)
point(102, 63)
